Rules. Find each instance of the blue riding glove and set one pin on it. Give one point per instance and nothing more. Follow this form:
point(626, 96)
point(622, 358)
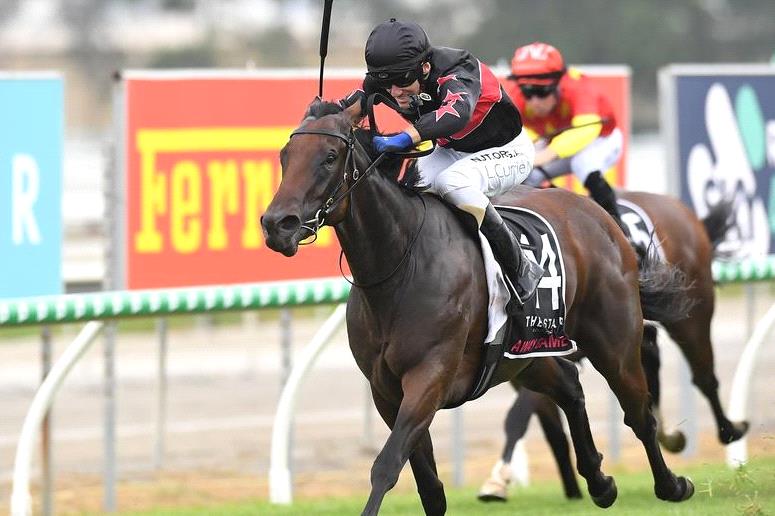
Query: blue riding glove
point(398, 142)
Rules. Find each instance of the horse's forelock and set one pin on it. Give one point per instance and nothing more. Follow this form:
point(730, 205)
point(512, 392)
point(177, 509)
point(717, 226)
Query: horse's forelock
point(321, 108)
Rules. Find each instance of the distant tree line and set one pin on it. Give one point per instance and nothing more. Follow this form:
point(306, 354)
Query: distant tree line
point(644, 34)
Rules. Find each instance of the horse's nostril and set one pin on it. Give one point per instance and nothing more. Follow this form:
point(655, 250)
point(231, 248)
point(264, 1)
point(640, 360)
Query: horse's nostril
point(290, 223)
point(286, 224)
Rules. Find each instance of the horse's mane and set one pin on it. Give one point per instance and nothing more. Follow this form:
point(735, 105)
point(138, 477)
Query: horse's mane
point(390, 166)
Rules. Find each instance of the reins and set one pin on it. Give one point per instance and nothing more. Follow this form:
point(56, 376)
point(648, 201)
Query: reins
point(403, 258)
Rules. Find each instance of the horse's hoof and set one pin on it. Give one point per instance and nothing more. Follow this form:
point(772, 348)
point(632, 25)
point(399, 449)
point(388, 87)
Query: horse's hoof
point(733, 432)
point(493, 490)
point(674, 442)
point(608, 497)
point(683, 489)
point(492, 497)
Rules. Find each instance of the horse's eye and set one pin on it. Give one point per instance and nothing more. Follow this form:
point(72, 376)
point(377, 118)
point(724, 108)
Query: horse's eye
point(330, 158)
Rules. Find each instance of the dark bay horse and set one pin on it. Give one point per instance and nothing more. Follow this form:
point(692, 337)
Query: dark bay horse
point(417, 317)
point(689, 244)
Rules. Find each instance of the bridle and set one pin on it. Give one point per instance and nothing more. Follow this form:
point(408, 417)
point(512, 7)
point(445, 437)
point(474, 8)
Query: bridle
point(314, 224)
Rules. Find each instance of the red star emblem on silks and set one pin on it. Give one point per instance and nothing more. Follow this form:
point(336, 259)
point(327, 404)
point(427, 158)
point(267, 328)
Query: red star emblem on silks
point(448, 104)
point(441, 80)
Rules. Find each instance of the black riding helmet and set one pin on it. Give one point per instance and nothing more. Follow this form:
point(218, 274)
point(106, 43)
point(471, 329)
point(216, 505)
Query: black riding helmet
point(395, 52)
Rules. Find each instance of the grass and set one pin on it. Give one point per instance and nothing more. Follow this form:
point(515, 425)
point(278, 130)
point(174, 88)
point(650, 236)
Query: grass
point(749, 491)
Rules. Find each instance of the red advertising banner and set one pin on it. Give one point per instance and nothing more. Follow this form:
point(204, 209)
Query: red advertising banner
point(614, 82)
point(202, 164)
point(201, 167)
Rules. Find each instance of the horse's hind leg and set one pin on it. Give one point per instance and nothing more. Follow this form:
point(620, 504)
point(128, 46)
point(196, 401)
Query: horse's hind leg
point(517, 420)
point(549, 415)
point(409, 439)
point(495, 488)
point(525, 405)
point(619, 363)
point(558, 378)
point(693, 337)
point(649, 357)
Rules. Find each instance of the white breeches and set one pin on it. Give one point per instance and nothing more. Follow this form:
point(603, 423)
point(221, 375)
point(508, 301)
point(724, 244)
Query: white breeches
point(468, 180)
point(600, 155)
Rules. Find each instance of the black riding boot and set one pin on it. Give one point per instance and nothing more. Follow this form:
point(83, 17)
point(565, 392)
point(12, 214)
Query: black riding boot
point(604, 195)
point(521, 273)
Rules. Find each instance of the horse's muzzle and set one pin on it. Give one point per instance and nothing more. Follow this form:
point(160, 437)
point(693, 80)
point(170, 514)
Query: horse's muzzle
point(282, 233)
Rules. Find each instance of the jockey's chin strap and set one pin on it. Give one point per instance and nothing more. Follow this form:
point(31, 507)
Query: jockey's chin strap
point(313, 225)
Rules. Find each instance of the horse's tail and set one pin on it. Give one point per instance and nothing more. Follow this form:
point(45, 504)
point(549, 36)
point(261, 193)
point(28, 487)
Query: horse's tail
point(663, 291)
point(718, 221)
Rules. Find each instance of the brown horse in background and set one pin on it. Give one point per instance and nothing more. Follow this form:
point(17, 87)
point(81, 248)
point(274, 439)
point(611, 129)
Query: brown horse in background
point(689, 244)
point(417, 317)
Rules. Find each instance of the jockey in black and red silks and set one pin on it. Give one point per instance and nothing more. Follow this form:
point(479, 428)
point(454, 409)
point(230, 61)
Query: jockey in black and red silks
point(449, 96)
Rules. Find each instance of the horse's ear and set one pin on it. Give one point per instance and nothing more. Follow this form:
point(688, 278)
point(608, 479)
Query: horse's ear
point(312, 105)
point(353, 112)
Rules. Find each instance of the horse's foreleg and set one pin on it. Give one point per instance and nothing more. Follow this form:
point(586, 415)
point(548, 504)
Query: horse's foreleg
point(674, 441)
point(558, 378)
point(549, 416)
point(409, 437)
point(429, 486)
point(693, 337)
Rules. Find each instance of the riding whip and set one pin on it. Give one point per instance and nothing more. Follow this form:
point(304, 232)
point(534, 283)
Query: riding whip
point(324, 41)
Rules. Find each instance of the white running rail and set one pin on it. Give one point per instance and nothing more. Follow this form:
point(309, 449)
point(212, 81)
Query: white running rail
point(280, 487)
point(737, 452)
point(21, 502)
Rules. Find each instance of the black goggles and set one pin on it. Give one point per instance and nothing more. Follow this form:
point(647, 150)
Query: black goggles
point(537, 90)
point(402, 78)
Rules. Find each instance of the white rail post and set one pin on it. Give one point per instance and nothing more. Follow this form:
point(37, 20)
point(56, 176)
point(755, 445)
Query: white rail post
point(737, 452)
point(21, 502)
point(280, 491)
point(160, 439)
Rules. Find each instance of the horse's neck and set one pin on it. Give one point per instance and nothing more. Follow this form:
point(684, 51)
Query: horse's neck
point(379, 226)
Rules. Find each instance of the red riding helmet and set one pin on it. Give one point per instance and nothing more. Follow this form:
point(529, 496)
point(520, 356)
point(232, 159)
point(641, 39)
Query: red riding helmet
point(537, 63)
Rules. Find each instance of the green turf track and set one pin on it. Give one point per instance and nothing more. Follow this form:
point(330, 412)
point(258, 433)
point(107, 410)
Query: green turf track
point(719, 491)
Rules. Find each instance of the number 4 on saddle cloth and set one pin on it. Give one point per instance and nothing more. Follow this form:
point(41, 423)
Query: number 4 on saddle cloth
point(539, 330)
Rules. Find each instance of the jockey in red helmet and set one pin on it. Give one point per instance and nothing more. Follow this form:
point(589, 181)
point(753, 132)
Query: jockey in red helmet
point(571, 119)
point(448, 95)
